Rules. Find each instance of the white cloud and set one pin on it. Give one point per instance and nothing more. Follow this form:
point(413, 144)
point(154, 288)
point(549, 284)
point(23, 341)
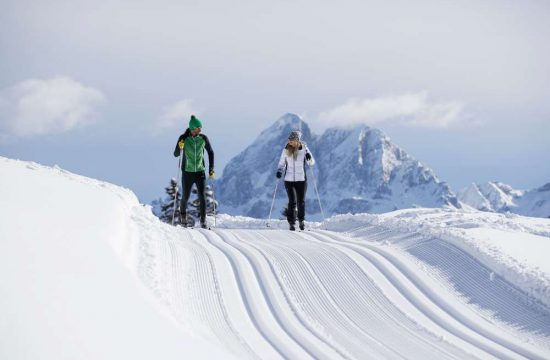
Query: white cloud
point(177, 114)
point(39, 107)
point(409, 109)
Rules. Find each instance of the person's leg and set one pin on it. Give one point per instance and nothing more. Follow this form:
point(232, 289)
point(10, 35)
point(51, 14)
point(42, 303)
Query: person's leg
point(291, 209)
point(301, 188)
point(187, 183)
point(200, 181)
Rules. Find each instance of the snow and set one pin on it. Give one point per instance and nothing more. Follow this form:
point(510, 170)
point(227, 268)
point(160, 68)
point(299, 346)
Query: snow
point(499, 197)
point(64, 292)
point(513, 246)
point(474, 198)
point(524, 248)
point(496, 195)
point(88, 272)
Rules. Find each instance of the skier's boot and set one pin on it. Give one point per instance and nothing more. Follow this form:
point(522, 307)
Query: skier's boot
point(203, 225)
point(183, 220)
point(302, 227)
point(292, 227)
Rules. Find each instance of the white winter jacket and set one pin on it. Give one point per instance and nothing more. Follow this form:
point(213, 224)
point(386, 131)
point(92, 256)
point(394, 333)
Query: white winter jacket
point(295, 168)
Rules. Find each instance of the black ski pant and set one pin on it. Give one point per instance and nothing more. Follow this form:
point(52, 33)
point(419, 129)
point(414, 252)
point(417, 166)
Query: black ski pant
point(296, 191)
point(188, 179)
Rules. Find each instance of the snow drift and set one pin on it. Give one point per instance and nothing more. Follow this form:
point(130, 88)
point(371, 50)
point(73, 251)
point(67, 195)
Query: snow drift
point(64, 292)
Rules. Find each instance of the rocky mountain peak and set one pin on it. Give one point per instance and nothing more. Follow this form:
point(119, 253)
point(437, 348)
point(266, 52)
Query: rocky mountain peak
point(358, 169)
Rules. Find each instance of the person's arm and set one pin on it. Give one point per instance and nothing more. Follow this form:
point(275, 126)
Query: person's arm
point(210, 152)
point(177, 150)
point(282, 164)
point(309, 157)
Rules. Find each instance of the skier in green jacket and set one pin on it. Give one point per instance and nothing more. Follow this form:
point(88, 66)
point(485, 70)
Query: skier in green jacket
point(193, 144)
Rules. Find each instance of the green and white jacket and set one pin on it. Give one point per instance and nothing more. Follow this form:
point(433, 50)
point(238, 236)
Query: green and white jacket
point(193, 159)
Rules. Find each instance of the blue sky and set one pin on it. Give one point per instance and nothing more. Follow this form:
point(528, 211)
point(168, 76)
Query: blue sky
point(104, 88)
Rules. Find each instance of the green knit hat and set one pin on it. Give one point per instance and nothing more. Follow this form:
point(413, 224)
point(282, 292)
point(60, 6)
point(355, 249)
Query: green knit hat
point(194, 123)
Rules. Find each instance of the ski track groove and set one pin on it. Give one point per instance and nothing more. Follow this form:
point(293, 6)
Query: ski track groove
point(278, 345)
point(320, 304)
point(302, 273)
point(285, 293)
point(520, 314)
point(332, 304)
point(318, 291)
point(305, 323)
point(211, 308)
point(310, 294)
point(488, 300)
point(512, 350)
point(441, 322)
point(367, 298)
point(176, 290)
point(410, 296)
point(384, 313)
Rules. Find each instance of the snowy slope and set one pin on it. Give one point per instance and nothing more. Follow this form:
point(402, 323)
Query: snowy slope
point(499, 197)
point(64, 293)
point(534, 202)
point(392, 286)
point(357, 170)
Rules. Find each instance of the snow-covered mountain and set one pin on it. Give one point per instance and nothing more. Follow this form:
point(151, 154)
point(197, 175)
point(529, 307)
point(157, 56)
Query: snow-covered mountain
point(248, 180)
point(499, 197)
point(358, 169)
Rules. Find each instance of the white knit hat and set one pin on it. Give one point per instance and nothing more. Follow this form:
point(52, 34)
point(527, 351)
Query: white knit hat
point(295, 135)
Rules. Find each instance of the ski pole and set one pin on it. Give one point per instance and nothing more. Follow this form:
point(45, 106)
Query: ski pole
point(272, 202)
point(177, 184)
point(317, 192)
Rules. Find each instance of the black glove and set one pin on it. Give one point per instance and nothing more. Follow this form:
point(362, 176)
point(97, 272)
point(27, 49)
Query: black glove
point(308, 156)
point(279, 174)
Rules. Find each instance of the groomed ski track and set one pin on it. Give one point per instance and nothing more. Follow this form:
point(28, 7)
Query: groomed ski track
point(276, 294)
point(371, 289)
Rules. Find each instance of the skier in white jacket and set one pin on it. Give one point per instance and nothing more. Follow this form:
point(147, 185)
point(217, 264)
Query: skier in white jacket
point(292, 165)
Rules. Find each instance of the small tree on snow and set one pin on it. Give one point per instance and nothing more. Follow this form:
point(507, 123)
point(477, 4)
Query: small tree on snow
point(167, 206)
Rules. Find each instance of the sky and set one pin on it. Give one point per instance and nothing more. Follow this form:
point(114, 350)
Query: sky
point(104, 88)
